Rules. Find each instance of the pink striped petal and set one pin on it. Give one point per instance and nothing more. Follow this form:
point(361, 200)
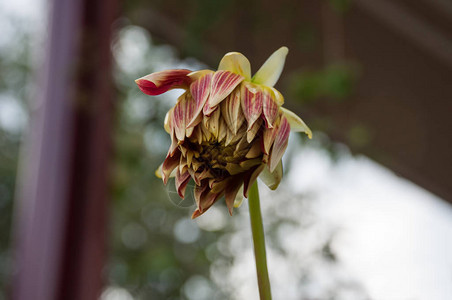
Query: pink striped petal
point(200, 90)
point(178, 119)
point(270, 109)
point(190, 110)
point(232, 112)
point(160, 82)
point(223, 83)
point(280, 144)
point(251, 100)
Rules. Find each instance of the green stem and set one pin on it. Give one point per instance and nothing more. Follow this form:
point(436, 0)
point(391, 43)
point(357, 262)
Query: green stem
point(259, 243)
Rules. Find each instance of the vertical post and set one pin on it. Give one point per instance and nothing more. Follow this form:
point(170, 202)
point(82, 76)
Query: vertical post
point(62, 198)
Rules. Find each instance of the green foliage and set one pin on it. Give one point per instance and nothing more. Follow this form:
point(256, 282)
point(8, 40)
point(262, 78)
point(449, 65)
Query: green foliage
point(334, 83)
point(340, 6)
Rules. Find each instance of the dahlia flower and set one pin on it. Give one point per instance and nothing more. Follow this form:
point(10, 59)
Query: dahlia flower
point(227, 128)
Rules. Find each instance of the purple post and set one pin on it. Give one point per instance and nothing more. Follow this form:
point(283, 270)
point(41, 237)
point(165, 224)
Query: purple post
point(62, 199)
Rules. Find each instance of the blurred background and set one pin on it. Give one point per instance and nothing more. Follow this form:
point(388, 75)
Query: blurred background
point(364, 210)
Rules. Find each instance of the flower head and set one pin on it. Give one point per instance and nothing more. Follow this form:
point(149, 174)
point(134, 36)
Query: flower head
point(227, 128)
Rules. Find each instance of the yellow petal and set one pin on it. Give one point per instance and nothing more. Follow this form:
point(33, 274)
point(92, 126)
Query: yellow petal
point(239, 197)
point(296, 123)
point(280, 144)
point(236, 62)
point(270, 71)
point(279, 99)
point(167, 122)
point(272, 179)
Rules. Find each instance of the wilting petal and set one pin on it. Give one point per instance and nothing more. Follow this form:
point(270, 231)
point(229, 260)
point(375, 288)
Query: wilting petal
point(249, 163)
point(200, 90)
point(270, 109)
point(233, 168)
point(280, 144)
point(255, 151)
point(170, 163)
point(207, 199)
point(233, 187)
point(251, 101)
point(181, 182)
point(174, 144)
point(272, 179)
point(199, 190)
point(159, 173)
point(237, 63)
point(232, 111)
point(160, 82)
point(250, 178)
point(270, 71)
point(223, 83)
point(296, 123)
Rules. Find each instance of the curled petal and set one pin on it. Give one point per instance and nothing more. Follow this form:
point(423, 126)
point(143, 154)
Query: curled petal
point(277, 96)
point(170, 163)
point(159, 173)
point(200, 90)
point(251, 101)
point(296, 123)
point(174, 143)
point(280, 144)
point(223, 83)
point(207, 199)
point(272, 179)
point(160, 82)
point(270, 109)
point(237, 63)
point(270, 71)
point(232, 189)
point(181, 182)
point(167, 122)
point(199, 191)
